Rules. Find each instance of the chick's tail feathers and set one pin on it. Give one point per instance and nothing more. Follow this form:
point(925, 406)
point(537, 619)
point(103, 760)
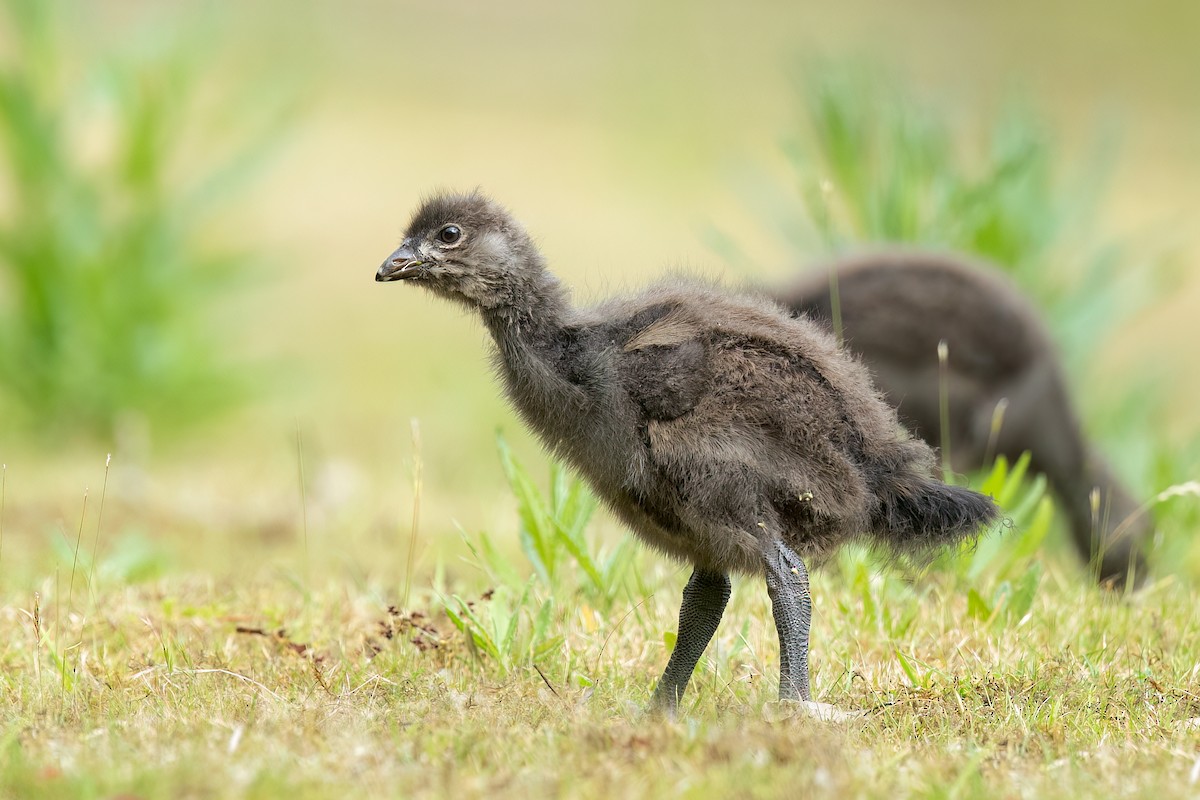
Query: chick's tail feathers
point(921, 514)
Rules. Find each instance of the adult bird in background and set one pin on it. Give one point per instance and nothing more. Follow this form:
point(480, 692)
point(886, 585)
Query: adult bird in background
point(897, 305)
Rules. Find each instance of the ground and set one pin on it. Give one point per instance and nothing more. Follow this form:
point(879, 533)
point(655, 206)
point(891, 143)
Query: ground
point(310, 677)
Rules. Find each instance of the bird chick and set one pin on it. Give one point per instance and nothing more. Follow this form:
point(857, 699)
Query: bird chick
point(897, 305)
point(722, 431)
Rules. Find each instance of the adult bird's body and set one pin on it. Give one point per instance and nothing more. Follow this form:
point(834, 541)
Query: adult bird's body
point(722, 431)
point(897, 305)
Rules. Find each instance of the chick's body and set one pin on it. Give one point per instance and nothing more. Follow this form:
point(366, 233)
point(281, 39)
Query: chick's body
point(700, 416)
point(723, 431)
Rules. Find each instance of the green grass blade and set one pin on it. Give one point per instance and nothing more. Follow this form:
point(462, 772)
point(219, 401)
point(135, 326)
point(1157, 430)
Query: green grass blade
point(537, 530)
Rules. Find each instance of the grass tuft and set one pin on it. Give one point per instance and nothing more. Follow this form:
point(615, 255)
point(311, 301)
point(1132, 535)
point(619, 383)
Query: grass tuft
point(111, 271)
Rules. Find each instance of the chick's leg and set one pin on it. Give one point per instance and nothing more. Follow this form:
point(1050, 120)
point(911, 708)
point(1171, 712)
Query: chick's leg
point(704, 600)
point(791, 603)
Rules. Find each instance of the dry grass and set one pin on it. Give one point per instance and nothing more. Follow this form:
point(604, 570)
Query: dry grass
point(189, 686)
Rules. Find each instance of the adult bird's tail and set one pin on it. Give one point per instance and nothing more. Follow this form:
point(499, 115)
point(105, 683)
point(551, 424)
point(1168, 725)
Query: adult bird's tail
point(922, 513)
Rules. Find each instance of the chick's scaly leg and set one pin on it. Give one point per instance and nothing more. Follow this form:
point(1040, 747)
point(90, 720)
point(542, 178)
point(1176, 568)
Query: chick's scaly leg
point(791, 603)
point(704, 600)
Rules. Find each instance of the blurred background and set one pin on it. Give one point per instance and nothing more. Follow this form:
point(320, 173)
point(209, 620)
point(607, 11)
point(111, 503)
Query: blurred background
point(194, 198)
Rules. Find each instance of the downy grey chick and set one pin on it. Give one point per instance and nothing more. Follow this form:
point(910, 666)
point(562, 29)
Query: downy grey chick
point(724, 432)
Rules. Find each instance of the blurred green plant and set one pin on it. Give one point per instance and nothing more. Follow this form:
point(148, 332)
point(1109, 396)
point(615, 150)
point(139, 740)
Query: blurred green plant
point(133, 558)
point(875, 164)
point(110, 281)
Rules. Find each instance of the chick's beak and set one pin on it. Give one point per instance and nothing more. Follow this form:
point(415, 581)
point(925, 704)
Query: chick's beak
point(400, 265)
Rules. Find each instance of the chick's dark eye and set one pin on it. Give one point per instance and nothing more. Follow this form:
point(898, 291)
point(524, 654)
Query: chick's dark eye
point(449, 234)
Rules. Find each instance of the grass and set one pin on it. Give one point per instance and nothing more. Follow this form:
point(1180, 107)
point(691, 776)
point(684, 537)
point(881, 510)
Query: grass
point(999, 673)
point(166, 698)
point(114, 275)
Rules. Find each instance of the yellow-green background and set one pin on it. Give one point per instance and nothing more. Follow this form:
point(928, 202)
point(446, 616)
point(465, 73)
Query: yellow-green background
point(619, 133)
